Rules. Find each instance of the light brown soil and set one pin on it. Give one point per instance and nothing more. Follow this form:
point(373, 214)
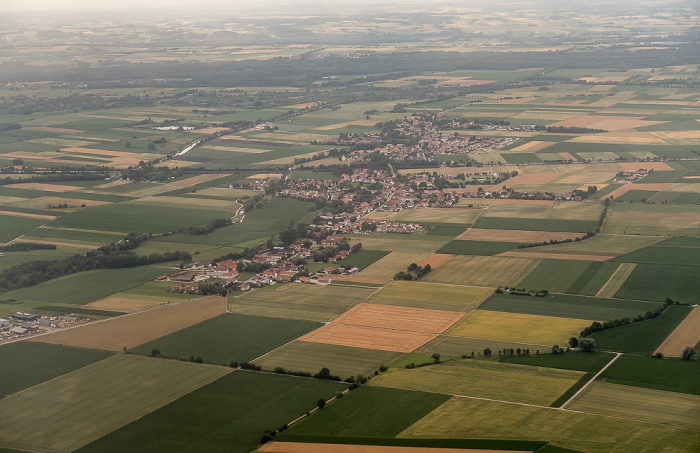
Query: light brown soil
point(524, 236)
point(47, 187)
point(26, 214)
point(130, 303)
point(399, 318)
point(617, 193)
point(435, 260)
point(368, 337)
point(686, 334)
point(132, 330)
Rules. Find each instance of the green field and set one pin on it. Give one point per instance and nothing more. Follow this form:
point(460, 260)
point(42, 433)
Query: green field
point(558, 276)
point(98, 398)
point(567, 306)
point(342, 361)
point(229, 337)
point(298, 301)
point(458, 247)
point(482, 270)
point(657, 254)
point(26, 364)
point(12, 226)
point(642, 337)
point(659, 281)
point(656, 406)
point(230, 413)
point(464, 418)
point(673, 375)
point(471, 377)
point(453, 346)
point(576, 360)
point(562, 225)
point(363, 258)
point(370, 412)
point(430, 295)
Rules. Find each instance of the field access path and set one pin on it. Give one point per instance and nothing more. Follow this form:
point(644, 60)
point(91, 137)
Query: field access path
point(587, 384)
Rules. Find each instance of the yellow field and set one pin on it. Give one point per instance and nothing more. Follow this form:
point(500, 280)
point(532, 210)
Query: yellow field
point(181, 201)
point(526, 236)
point(656, 223)
point(686, 334)
point(584, 177)
point(609, 123)
point(394, 262)
point(529, 209)
point(570, 210)
point(616, 280)
point(603, 244)
point(462, 418)
point(130, 303)
point(368, 338)
point(679, 409)
point(467, 377)
point(482, 270)
point(434, 260)
point(431, 295)
point(395, 317)
point(519, 327)
point(532, 146)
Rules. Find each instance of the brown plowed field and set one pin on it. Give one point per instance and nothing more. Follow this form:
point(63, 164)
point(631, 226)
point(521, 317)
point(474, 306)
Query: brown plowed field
point(435, 260)
point(368, 337)
point(686, 334)
point(525, 236)
point(132, 330)
point(301, 447)
point(399, 318)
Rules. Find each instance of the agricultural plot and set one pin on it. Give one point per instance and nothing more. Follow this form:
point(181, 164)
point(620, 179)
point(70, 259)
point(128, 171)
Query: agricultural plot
point(418, 242)
point(342, 361)
point(129, 303)
point(430, 295)
point(369, 412)
point(97, 398)
point(231, 411)
point(570, 210)
point(453, 346)
point(368, 337)
point(132, 330)
point(536, 224)
point(518, 236)
point(462, 417)
point(602, 244)
point(517, 383)
point(642, 337)
point(460, 247)
point(27, 364)
point(645, 222)
point(658, 406)
point(672, 375)
point(589, 362)
point(297, 301)
point(383, 270)
point(659, 254)
point(522, 209)
point(434, 260)
point(363, 258)
point(229, 337)
point(686, 334)
point(16, 225)
point(399, 318)
point(617, 279)
point(433, 215)
point(566, 306)
point(516, 327)
point(555, 275)
point(659, 281)
point(482, 271)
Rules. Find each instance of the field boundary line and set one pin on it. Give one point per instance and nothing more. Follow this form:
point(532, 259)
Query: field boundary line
point(587, 384)
point(616, 280)
point(32, 230)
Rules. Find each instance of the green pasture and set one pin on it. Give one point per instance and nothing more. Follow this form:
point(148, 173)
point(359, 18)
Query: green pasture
point(229, 414)
point(676, 198)
point(369, 412)
point(10, 259)
point(594, 278)
point(430, 295)
point(520, 158)
point(576, 360)
point(342, 361)
point(557, 275)
point(229, 337)
point(658, 254)
point(12, 227)
point(566, 306)
point(672, 375)
point(642, 337)
point(459, 247)
point(26, 364)
point(637, 196)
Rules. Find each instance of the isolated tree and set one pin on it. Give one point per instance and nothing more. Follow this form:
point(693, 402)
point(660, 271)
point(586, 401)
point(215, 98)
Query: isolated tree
point(155, 353)
point(587, 344)
point(320, 403)
point(688, 353)
point(436, 357)
point(487, 352)
point(573, 342)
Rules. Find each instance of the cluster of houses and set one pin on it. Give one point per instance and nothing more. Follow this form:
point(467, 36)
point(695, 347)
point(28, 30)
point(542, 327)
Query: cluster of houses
point(21, 324)
point(634, 175)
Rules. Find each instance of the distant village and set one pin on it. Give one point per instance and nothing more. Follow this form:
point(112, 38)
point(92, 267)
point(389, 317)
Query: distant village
point(22, 324)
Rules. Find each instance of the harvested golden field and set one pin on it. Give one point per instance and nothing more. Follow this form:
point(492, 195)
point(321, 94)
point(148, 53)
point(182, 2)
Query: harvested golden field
point(368, 337)
point(609, 123)
point(302, 447)
point(617, 193)
point(482, 270)
point(524, 253)
point(27, 214)
point(532, 146)
point(46, 187)
point(43, 202)
point(518, 327)
point(531, 178)
point(431, 295)
point(686, 334)
point(576, 210)
point(525, 236)
point(648, 223)
point(396, 317)
point(132, 330)
point(677, 135)
point(435, 260)
point(592, 177)
point(620, 138)
point(526, 209)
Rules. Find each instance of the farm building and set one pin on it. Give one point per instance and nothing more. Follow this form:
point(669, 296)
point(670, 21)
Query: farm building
point(25, 317)
point(4, 323)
